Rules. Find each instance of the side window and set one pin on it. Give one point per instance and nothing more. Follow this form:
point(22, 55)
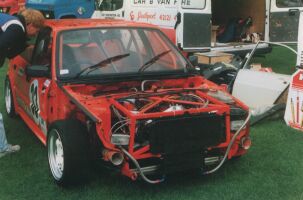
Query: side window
point(110, 5)
point(289, 3)
point(42, 50)
point(28, 53)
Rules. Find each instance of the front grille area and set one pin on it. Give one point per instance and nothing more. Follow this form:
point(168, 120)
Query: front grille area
point(185, 134)
point(181, 162)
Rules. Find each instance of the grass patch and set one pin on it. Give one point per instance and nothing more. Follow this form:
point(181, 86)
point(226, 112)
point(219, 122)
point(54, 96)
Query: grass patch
point(272, 169)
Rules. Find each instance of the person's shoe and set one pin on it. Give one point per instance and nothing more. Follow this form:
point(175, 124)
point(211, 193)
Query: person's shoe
point(13, 148)
point(10, 149)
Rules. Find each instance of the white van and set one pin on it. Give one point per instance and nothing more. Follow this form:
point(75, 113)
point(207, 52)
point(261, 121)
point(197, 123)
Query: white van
point(192, 24)
point(300, 42)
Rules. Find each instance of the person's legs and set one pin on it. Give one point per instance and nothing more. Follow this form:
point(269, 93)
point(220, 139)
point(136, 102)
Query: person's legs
point(5, 148)
point(3, 140)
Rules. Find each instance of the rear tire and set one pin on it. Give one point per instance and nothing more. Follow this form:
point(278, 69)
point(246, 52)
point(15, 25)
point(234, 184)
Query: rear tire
point(9, 100)
point(67, 151)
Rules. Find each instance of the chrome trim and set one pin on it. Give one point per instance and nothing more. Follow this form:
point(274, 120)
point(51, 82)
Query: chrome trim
point(146, 170)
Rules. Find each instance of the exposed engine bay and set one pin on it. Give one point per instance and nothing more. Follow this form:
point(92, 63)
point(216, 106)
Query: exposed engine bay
point(165, 126)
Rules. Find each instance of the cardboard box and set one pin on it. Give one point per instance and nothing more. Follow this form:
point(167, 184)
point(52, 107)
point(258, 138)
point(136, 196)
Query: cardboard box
point(214, 57)
point(256, 66)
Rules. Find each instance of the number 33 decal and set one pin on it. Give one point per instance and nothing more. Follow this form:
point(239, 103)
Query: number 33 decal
point(34, 101)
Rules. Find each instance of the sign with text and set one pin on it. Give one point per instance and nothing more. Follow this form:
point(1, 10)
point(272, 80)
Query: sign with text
point(193, 4)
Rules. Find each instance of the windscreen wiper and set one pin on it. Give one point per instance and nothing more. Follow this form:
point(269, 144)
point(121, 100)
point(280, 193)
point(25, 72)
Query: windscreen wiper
point(101, 64)
point(152, 61)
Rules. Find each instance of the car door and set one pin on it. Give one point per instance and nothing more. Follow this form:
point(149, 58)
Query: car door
point(284, 20)
point(109, 9)
point(32, 91)
point(194, 25)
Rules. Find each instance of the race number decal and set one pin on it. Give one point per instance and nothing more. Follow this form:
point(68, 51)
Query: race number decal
point(34, 101)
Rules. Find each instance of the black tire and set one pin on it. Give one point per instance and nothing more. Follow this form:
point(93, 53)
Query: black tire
point(8, 98)
point(67, 145)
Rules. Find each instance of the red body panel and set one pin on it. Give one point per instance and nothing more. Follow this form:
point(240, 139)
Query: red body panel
point(41, 101)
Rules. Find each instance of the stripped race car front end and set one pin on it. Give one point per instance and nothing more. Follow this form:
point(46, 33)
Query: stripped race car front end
point(168, 126)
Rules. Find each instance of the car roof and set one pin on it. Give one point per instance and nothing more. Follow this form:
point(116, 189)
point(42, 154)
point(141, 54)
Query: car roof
point(67, 24)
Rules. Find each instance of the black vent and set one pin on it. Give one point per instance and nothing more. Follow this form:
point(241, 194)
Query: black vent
point(237, 113)
point(197, 30)
point(182, 134)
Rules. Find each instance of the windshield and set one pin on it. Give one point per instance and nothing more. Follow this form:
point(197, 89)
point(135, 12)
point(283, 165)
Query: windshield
point(115, 51)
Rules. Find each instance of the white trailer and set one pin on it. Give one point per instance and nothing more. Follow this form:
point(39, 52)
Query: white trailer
point(190, 24)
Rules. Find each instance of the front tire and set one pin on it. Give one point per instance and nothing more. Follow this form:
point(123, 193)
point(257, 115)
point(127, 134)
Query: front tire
point(67, 151)
point(9, 100)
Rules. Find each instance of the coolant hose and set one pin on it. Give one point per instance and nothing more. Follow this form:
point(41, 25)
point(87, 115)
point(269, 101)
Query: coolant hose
point(139, 168)
point(230, 145)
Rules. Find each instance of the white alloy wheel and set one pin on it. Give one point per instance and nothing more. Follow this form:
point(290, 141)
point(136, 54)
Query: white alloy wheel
point(67, 148)
point(56, 155)
point(8, 98)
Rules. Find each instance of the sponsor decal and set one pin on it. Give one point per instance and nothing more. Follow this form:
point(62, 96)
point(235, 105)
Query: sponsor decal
point(151, 16)
point(146, 16)
point(35, 105)
point(34, 101)
point(45, 85)
point(157, 2)
point(185, 2)
point(111, 15)
point(165, 17)
point(81, 10)
point(64, 71)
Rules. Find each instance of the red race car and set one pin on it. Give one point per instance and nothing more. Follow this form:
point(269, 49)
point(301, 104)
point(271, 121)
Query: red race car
point(11, 7)
point(121, 92)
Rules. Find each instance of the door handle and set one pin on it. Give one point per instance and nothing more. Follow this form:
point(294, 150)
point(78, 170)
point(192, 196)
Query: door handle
point(178, 21)
point(292, 12)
